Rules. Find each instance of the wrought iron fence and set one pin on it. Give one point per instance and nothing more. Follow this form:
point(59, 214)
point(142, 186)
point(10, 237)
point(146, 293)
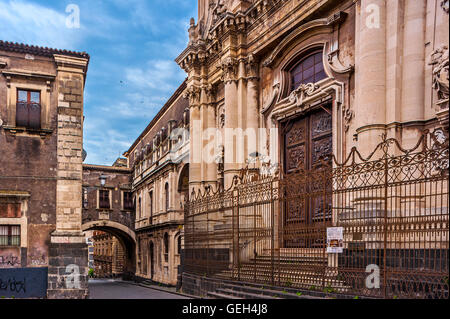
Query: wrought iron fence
point(392, 209)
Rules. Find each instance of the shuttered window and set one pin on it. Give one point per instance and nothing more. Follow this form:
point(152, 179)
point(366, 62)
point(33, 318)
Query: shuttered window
point(104, 199)
point(128, 201)
point(9, 235)
point(28, 109)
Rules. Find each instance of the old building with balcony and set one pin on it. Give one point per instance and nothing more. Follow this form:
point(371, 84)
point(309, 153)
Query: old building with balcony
point(160, 170)
point(41, 143)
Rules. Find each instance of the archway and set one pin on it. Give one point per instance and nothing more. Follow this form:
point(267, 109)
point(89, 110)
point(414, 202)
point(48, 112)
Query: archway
point(125, 236)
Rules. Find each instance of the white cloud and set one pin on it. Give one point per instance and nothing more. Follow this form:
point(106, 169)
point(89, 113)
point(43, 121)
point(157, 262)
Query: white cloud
point(35, 24)
point(159, 75)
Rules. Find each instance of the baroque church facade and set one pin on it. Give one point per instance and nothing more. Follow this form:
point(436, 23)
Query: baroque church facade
point(342, 72)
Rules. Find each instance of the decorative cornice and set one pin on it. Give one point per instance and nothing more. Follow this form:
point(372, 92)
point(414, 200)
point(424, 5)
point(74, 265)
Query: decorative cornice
point(36, 75)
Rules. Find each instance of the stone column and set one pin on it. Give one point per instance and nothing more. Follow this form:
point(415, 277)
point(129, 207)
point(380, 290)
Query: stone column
point(413, 88)
point(370, 69)
point(231, 167)
point(68, 256)
point(210, 143)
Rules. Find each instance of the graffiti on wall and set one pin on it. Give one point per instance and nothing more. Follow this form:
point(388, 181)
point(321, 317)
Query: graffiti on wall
point(9, 260)
point(12, 285)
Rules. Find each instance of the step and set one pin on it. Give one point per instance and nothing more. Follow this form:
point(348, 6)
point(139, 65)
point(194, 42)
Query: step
point(283, 294)
point(216, 295)
point(243, 294)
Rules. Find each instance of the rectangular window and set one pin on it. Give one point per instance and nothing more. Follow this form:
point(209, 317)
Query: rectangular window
point(128, 201)
point(104, 199)
point(9, 235)
point(28, 109)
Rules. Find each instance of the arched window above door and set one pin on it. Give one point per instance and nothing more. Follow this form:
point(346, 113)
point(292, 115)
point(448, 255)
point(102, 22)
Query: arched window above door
point(309, 70)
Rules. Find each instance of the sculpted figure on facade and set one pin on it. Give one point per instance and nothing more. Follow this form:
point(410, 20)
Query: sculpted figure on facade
point(440, 72)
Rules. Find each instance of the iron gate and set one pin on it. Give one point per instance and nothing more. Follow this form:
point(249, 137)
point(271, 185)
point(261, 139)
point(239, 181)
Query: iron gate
point(391, 205)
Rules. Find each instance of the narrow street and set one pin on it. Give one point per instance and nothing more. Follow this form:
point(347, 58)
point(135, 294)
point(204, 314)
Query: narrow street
point(118, 289)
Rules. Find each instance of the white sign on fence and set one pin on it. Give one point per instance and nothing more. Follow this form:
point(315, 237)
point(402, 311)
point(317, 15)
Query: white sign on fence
point(335, 240)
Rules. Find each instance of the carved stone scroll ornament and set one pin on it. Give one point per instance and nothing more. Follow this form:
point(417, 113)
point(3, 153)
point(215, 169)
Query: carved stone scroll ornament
point(336, 65)
point(2, 64)
point(303, 91)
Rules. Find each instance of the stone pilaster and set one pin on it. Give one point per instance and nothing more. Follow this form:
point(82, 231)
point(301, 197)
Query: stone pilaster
point(252, 109)
point(68, 264)
point(209, 141)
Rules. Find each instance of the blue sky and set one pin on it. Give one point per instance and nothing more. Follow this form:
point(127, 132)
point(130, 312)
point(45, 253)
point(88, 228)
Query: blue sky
point(132, 72)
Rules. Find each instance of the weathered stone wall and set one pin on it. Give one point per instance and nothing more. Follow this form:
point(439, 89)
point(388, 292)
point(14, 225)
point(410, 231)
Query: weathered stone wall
point(28, 168)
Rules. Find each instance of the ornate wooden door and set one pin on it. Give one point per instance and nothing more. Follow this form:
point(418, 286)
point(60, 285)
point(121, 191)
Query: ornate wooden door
point(307, 151)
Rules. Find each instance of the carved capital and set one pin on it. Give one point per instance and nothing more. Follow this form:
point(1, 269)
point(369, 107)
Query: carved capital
point(193, 95)
point(229, 68)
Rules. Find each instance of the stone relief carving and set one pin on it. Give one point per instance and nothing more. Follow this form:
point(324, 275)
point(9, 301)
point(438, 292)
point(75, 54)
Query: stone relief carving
point(348, 116)
point(251, 67)
point(439, 58)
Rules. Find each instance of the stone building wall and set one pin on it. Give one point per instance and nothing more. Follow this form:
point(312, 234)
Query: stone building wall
point(41, 162)
point(160, 176)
